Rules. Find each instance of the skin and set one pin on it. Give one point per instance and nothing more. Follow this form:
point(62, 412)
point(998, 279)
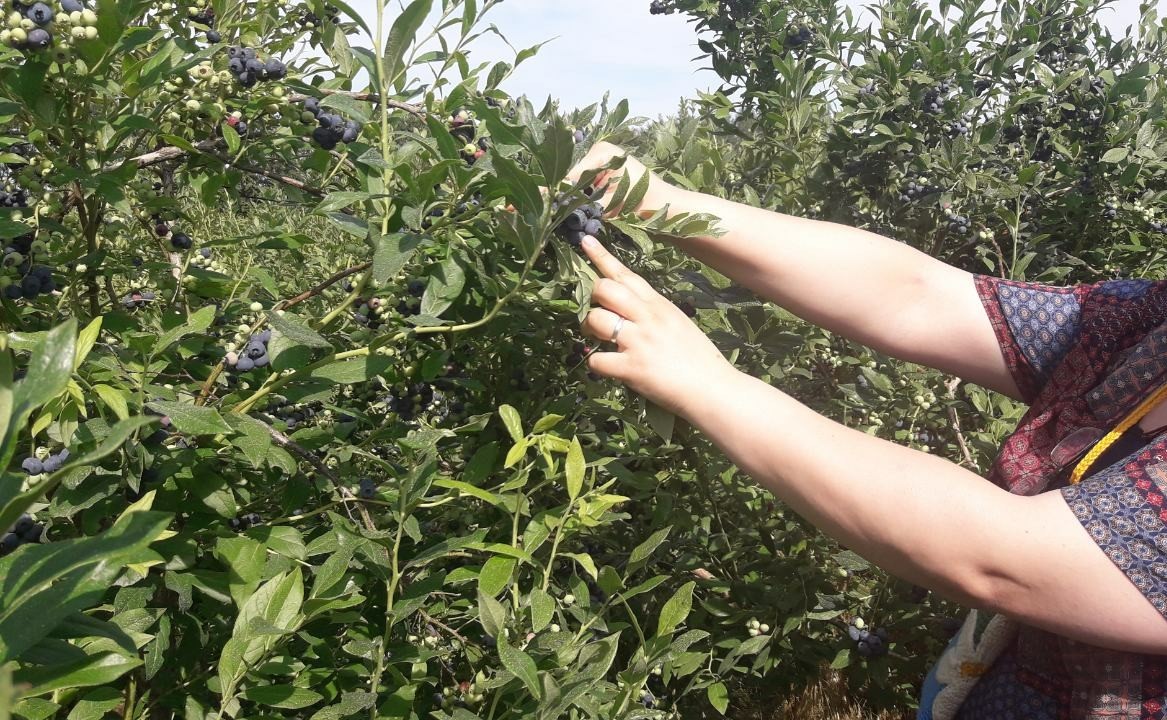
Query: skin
point(906, 510)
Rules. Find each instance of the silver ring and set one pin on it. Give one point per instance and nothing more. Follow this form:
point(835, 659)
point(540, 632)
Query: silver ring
point(616, 330)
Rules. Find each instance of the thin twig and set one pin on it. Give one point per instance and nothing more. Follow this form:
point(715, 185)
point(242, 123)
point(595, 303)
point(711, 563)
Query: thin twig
point(368, 97)
point(346, 495)
point(439, 624)
point(309, 294)
point(205, 391)
point(951, 385)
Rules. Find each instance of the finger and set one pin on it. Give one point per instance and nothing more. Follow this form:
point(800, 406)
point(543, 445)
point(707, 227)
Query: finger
point(612, 268)
point(600, 324)
point(618, 298)
point(608, 364)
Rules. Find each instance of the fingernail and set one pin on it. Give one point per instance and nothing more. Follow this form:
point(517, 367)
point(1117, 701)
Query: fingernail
point(589, 243)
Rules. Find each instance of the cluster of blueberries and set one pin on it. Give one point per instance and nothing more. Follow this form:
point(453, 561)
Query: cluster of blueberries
point(332, 129)
point(240, 125)
point(409, 400)
point(797, 37)
point(37, 280)
point(957, 223)
point(933, 102)
point(23, 532)
point(205, 16)
point(367, 489)
point(1159, 227)
point(915, 189)
point(371, 313)
point(579, 353)
point(960, 127)
point(37, 37)
point(587, 220)
point(409, 306)
point(292, 414)
point(51, 464)
point(13, 197)
point(244, 522)
point(310, 20)
point(464, 126)
point(658, 7)
point(138, 299)
point(1111, 210)
point(868, 644)
point(254, 353)
point(248, 69)
point(868, 90)
point(178, 241)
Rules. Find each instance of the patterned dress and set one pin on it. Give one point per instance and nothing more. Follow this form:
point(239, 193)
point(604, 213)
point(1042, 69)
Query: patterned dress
point(1083, 357)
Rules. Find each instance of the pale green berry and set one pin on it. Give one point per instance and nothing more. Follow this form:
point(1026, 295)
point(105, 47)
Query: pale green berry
point(255, 307)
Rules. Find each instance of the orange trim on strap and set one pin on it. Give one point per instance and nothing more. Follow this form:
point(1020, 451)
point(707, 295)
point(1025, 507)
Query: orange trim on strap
point(1100, 447)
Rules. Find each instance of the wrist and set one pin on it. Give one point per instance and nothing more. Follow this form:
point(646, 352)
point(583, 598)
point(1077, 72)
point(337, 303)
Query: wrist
point(701, 405)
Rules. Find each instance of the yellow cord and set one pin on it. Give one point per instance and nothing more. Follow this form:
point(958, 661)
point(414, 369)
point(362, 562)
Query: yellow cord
point(1100, 447)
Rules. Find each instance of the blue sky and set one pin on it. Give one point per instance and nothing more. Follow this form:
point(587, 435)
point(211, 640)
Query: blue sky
point(616, 46)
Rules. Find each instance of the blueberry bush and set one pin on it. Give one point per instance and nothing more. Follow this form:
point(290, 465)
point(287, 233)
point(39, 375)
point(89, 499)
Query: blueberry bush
point(295, 419)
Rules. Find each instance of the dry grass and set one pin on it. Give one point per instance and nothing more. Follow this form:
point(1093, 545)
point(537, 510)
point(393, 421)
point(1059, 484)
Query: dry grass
point(825, 700)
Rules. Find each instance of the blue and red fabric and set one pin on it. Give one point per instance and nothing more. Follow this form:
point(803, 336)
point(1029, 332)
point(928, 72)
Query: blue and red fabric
point(1083, 357)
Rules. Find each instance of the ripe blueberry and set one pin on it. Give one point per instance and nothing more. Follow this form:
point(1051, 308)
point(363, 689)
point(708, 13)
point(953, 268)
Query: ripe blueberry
point(40, 14)
point(9, 542)
point(39, 39)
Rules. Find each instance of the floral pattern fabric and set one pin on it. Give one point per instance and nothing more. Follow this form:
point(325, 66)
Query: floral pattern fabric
point(1083, 357)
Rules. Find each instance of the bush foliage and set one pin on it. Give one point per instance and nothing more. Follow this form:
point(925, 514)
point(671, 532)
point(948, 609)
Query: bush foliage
point(312, 347)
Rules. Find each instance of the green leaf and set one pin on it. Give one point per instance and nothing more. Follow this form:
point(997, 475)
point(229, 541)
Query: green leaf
point(45, 584)
point(546, 422)
point(644, 550)
point(391, 253)
point(297, 332)
point(718, 697)
point(510, 418)
point(660, 420)
point(355, 109)
point(518, 185)
point(555, 154)
point(197, 323)
point(114, 399)
point(287, 697)
point(491, 615)
point(1115, 155)
point(521, 666)
point(85, 341)
point(99, 669)
point(192, 419)
point(48, 369)
point(842, 659)
point(542, 609)
point(401, 37)
point(574, 469)
point(231, 136)
point(495, 575)
point(675, 610)
point(445, 285)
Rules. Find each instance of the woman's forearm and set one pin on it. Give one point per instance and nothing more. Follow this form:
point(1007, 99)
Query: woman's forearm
point(904, 510)
point(827, 274)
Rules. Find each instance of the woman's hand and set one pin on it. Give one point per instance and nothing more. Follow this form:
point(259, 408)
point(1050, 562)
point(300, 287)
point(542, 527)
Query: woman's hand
point(659, 194)
point(660, 353)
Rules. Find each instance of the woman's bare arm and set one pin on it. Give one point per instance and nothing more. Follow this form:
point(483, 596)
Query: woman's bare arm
point(863, 286)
